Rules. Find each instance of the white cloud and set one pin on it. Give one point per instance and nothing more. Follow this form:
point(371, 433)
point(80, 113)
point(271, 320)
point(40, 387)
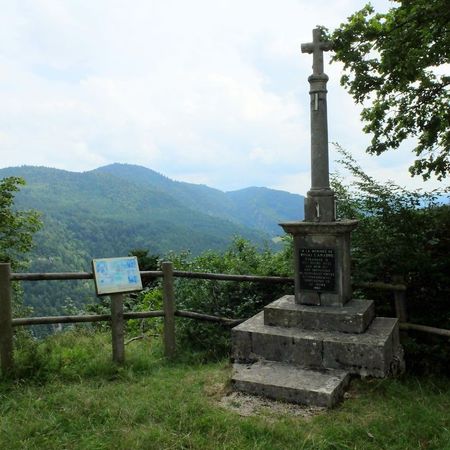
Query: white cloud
point(294, 182)
point(204, 91)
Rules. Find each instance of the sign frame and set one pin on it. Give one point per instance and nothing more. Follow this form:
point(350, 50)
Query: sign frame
point(118, 275)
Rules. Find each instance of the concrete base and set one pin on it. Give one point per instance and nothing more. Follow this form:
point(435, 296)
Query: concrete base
point(289, 383)
point(305, 354)
point(372, 353)
point(354, 317)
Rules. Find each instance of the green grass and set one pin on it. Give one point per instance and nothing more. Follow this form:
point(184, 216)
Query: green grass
point(68, 395)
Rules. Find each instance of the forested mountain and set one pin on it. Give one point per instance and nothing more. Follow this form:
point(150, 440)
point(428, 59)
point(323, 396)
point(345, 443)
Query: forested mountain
point(254, 207)
point(114, 209)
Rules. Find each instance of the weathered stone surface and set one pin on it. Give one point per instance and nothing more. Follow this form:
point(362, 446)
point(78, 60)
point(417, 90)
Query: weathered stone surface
point(289, 383)
point(319, 206)
point(369, 353)
point(373, 355)
point(321, 327)
point(295, 350)
point(354, 317)
point(326, 228)
point(323, 235)
point(241, 344)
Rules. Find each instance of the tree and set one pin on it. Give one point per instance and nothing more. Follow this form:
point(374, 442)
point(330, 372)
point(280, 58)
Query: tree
point(16, 233)
point(16, 227)
point(393, 61)
point(146, 262)
point(396, 226)
point(227, 299)
point(401, 233)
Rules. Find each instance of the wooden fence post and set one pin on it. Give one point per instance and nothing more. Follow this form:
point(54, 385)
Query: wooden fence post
point(117, 322)
point(400, 300)
point(6, 331)
point(169, 309)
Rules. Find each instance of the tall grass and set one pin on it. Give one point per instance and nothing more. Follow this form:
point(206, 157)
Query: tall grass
point(69, 395)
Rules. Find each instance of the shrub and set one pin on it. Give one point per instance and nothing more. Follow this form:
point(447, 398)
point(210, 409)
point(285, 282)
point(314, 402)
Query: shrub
point(401, 235)
point(226, 298)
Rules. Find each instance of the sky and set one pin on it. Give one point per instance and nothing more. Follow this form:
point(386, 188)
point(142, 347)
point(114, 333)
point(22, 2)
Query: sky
point(205, 91)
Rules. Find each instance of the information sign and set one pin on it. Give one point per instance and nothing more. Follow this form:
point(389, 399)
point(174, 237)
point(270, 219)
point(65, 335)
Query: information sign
point(116, 275)
point(317, 269)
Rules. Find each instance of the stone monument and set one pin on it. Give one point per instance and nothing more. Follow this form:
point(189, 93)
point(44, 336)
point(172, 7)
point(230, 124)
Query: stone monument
point(304, 347)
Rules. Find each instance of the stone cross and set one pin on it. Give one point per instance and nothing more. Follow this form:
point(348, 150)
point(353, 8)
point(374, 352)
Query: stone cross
point(317, 47)
point(320, 204)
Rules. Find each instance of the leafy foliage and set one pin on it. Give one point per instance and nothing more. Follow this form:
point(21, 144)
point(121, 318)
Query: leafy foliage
point(16, 233)
point(146, 261)
point(395, 225)
point(401, 235)
point(16, 227)
point(394, 60)
point(226, 298)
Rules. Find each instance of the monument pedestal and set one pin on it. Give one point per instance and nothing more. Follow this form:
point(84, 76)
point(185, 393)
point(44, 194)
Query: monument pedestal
point(306, 354)
point(322, 261)
point(304, 347)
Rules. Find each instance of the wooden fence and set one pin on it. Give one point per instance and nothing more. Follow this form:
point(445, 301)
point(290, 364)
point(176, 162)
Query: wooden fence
point(169, 312)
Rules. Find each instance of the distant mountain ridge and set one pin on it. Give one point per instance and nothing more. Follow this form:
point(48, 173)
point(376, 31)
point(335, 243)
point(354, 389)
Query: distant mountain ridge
point(101, 207)
point(253, 207)
point(114, 209)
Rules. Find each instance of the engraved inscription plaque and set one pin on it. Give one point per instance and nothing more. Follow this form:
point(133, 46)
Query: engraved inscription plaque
point(317, 269)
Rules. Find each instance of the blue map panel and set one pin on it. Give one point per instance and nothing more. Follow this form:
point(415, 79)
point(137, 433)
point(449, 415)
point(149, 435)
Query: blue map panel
point(116, 275)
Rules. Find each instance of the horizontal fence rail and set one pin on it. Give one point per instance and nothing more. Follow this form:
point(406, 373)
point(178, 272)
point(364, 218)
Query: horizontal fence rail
point(48, 320)
point(426, 329)
point(51, 320)
point(49, 276)
point(54, 276)
point(118, 316)
point(230, 277)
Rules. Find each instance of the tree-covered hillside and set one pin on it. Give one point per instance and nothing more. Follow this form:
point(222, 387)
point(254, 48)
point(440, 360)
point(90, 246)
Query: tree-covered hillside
point(107, 215)
point(253, 207)
point(112, 210)
point(264, 208)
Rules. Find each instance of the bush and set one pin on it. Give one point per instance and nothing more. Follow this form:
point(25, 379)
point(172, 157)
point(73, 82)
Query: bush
point(225, 298)
point(401, 235)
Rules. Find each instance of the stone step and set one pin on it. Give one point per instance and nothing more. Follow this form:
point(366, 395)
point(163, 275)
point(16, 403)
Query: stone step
point(374, 352)
point(289, 383)
point(354, 317)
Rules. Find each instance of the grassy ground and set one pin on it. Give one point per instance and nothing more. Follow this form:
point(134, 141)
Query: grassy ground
point(68, 395)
